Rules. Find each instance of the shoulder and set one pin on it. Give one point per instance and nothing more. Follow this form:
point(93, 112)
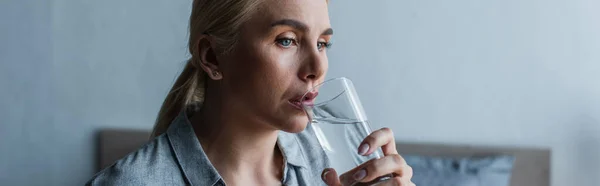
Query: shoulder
point(152, 164)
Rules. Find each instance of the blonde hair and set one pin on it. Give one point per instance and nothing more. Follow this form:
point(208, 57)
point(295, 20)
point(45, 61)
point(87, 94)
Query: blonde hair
point(221, 19)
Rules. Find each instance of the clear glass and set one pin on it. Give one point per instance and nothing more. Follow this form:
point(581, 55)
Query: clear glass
point(339, 122)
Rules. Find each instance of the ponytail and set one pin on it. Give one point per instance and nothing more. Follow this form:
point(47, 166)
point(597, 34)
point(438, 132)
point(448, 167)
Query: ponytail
point(222, 20)
point(188, 89)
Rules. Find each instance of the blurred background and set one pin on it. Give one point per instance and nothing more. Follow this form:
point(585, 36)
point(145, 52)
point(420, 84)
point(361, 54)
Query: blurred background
point(496, 72)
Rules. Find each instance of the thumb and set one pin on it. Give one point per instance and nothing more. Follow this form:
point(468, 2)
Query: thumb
point(330, 177)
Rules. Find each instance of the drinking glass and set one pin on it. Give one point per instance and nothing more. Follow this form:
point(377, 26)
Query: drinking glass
point(339, 122)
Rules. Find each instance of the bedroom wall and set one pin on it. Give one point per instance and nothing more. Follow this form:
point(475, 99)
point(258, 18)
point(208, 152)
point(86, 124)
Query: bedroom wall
point(509, 73)
point(517, 73)
point(69, 68)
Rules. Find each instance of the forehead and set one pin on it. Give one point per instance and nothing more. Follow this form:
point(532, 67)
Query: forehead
point(313, 13)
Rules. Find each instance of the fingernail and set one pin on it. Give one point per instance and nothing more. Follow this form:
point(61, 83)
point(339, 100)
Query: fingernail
point(362, 150)
point(324, 177)
point(360, 175)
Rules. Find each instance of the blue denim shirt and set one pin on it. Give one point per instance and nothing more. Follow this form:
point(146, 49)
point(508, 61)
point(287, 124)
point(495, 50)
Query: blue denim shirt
point(176, 158)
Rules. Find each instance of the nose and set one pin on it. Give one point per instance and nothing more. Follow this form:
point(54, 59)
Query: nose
point(314, 66)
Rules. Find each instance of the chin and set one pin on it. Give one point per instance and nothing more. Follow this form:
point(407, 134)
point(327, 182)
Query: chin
point(295, 124)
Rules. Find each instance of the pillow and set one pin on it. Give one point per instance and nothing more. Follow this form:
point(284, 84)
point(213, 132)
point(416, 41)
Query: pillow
point(465, 171)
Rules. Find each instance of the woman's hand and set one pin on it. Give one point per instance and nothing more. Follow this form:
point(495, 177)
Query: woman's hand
point(391, 164)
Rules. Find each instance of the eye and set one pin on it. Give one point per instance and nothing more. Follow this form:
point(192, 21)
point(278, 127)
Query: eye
point(286, 42)
point(323, 45)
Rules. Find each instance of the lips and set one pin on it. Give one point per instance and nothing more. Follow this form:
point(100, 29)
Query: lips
point(308, 99)
point(296, 104)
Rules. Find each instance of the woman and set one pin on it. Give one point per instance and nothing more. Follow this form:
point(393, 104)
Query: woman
point(230, 117)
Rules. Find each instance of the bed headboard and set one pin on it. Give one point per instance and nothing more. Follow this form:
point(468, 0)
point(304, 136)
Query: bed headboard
point(114, 144)
point(532, 165)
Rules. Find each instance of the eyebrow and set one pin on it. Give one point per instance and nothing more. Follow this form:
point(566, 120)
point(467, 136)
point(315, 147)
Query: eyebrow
point(328, 31)
point(298, 25)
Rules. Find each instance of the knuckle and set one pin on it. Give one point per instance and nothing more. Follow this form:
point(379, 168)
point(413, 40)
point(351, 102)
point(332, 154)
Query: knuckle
point(398, 159)
point(373, 169)
point(397, 181)
point(409, 171)
point(387, 130)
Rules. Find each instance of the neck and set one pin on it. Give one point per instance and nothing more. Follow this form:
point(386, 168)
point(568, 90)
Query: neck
point(238, 148)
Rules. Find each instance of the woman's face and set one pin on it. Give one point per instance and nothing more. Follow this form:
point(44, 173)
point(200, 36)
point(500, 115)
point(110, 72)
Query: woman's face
point(281, 53)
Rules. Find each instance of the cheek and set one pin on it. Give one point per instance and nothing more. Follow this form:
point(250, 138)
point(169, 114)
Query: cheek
point(260, 77)
point(325, 65)
point(276, 74)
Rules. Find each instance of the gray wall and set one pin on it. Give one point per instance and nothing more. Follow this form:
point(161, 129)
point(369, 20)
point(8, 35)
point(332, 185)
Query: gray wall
point(500, 72)
point(69, 68)
point(521, 73)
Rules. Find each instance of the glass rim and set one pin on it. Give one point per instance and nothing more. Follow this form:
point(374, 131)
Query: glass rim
point(324, 82)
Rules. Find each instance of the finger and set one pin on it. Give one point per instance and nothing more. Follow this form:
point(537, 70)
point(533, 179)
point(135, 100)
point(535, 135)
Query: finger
point(357, 173)
point(330, 177)
point(391, 164)
point(383, 138)
point(408, 172)
point(397, 181)
point(404, 181)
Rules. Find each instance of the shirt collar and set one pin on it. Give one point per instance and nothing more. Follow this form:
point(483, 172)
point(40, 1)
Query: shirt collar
point(290, 147)
point(193, 161)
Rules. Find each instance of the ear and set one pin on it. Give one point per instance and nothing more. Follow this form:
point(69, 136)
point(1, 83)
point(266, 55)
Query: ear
point(208, 57)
